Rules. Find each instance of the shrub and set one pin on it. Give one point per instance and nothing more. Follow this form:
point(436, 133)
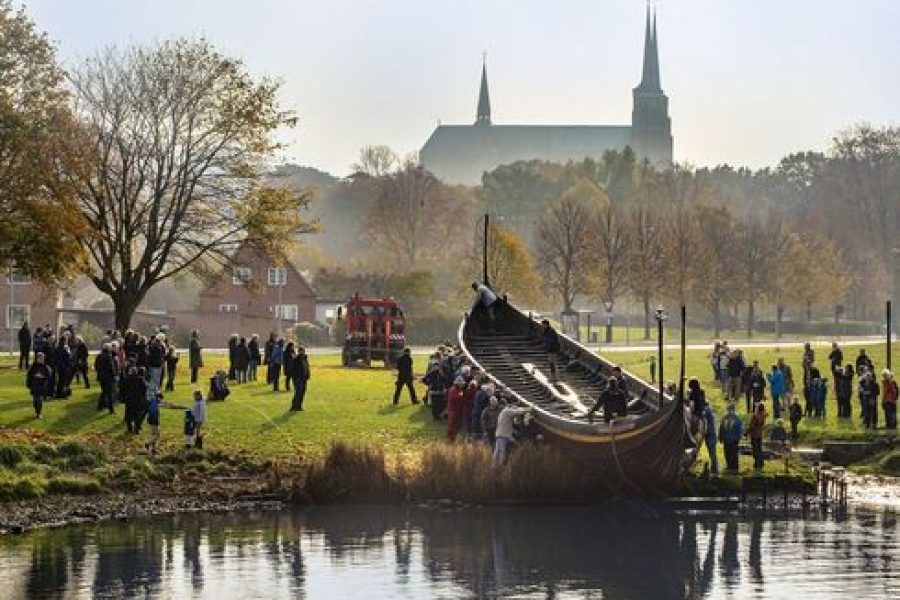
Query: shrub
point(73, 485)
point(28, 487)
point(44, 453)
point(11, 455)
point(73, 448)
point(890, 464)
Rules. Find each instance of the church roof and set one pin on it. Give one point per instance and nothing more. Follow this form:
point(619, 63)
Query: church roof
point(462, 152)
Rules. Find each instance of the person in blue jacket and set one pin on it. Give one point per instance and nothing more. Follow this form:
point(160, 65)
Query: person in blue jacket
point(731, 430)
point(776, 389)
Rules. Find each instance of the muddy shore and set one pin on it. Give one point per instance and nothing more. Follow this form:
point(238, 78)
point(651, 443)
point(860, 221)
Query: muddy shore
point(59, 511)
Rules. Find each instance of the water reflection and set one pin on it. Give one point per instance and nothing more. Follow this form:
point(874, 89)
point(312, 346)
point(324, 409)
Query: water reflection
point(622, 552)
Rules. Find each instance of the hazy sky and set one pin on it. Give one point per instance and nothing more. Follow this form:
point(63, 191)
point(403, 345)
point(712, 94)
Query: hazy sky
point(748, 80)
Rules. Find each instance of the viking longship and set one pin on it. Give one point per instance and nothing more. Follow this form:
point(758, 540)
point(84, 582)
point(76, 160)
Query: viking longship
point(646, 448)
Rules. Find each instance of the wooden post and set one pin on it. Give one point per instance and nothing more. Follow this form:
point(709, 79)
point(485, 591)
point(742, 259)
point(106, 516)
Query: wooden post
point(888, 310)
point(683, 348)
point(662, 384)
point(484, 250)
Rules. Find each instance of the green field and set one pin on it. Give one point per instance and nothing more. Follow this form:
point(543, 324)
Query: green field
point(352, 405)
point(812, 431)
point(348, 404)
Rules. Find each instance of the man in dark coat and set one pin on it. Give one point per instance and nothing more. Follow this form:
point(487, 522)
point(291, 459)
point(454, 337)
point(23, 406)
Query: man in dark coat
point(195, 358)
point(300, 372)
point(107, 369)
point(613, 401)
point(62, 365)
point(268, 350)
point(551, 345)
point(81, 362)
point(134, 394)
point(38, 382)
point(24, 346)
point(405, 377)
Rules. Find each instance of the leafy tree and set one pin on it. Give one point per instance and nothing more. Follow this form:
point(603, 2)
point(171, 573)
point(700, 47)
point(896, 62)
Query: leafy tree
point(564, 242)
point(42, 155)
point(521, 192)
point(181, 135)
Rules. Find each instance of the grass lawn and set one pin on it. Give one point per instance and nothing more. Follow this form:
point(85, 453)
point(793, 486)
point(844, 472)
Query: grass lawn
point(812, 431)
point(354, 405)
point(349, 404)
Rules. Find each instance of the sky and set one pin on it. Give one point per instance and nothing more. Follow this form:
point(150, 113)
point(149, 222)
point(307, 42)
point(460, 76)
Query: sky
point(748, 81)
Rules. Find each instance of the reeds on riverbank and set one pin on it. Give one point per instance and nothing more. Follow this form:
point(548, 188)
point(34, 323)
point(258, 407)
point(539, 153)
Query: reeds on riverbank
point(460, 472)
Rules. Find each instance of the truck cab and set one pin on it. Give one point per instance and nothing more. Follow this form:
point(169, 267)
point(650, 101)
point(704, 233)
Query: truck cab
point(376, 330)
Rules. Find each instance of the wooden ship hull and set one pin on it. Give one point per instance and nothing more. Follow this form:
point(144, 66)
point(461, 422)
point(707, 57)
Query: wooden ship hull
point(645, 450)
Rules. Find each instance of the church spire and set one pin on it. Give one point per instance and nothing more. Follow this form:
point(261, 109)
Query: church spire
point(650, 75)
point(483, 116)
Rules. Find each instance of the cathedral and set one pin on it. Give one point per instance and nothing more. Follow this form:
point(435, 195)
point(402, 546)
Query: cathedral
point(460, 154)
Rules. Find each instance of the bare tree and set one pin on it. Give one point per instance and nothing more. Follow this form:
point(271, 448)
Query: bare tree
point(564, 242)
point(417, 218)
point(646, 269)
point(716, 275)
point(756, 254)
point(680, 192)
point(376, 161)
point(180, 137)
point(611, 247)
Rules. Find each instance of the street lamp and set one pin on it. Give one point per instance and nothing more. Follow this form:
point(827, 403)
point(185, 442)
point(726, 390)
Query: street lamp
point(661, 315)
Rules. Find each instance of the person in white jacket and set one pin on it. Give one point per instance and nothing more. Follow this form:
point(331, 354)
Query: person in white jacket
point(504, 432)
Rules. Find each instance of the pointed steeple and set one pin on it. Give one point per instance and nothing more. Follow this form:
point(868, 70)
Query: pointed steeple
point(650, 75)
point(483, 116)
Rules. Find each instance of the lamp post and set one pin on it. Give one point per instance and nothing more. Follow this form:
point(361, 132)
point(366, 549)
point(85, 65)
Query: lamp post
point(661, 316)
point(9, 280)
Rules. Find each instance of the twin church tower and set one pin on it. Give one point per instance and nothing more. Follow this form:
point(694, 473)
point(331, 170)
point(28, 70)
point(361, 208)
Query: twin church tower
point(462, 153)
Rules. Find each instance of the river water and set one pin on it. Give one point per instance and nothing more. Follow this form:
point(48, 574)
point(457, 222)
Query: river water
point(388, 552)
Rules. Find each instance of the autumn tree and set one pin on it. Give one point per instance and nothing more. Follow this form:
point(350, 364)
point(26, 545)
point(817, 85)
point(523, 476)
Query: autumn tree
point(42, 155)
point(510, 267)
point(564, 242)
point(181, 136)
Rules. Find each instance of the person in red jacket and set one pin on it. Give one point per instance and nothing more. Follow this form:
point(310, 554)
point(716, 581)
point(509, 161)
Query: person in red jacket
point(455, 405)
point(889, 395)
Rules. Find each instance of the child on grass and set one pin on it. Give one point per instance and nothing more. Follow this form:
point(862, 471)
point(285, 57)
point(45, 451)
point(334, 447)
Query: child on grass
point(795, 414)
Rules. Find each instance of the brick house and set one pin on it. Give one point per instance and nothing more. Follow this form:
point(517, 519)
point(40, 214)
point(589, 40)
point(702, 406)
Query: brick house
point(255, 295)
point(26, 300)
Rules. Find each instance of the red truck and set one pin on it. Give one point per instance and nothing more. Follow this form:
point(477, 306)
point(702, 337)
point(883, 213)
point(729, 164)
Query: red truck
point(375, 330)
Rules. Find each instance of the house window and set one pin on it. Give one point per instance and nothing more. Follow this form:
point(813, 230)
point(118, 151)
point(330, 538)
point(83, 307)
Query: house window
point(240, 275)
point(229, 308)
point(287, 312)
point(18, 278)
point(277, 276)
point(17, 315)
